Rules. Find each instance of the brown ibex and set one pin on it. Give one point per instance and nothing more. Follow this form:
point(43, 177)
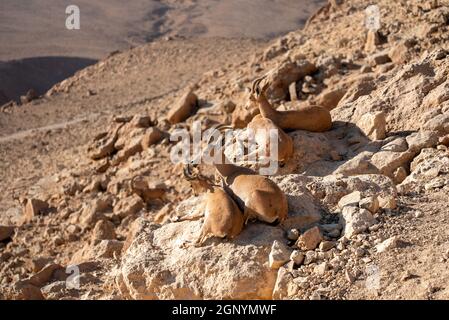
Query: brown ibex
point(223, 218)
point(258, 196)
point(261, 127)
point(310, 118)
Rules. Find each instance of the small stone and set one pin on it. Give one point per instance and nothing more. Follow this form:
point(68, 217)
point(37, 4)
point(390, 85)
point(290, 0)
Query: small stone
point(327, 245)
point(371, 204)
point(310, 239)
point(310, 257)
point(129, 206)
point(407, 276)
point(351, 199)
point(279, 255)
point(388, 244)
point(373, 125)
point(367, 260)
point(387, 202)
point(183, 108)
point(109, 249)
point(419, 214)
point(297, 257)
point(321, 268)
point(104, 230)
point(379, 59)
point(372, 41)
point(293, 234)
point(399, 175)
point(356, 220)
point(315, 296)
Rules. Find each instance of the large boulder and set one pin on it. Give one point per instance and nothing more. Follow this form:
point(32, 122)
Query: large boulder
point(161, 263)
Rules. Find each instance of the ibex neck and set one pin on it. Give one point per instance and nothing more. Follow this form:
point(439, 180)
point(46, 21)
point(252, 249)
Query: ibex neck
point(266, 109)
point(227, 170)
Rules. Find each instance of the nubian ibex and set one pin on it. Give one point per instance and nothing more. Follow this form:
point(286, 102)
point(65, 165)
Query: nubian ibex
point(310, 118)
point(261, 127)
point(223, 218)
point(258, 196)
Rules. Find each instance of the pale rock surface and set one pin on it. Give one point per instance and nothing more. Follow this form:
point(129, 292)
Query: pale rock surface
point(160, 264)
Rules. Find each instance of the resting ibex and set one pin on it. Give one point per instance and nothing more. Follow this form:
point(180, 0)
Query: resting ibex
point(261, 126)
point(259, 197)
point(310, 118)
point(223, 218)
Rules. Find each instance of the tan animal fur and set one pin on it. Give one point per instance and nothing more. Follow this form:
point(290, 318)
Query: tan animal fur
point(310, 118)
point(223, 218)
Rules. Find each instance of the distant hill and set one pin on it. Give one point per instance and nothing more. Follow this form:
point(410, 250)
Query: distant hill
point(108, 25)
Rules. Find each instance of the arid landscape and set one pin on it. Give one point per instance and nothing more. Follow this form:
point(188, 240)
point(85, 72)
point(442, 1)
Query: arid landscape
point(91, 206)
point(40, 51)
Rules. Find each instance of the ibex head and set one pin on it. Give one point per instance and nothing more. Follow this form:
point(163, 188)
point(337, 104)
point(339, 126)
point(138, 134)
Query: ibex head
point(257, 91)
point(198, 182)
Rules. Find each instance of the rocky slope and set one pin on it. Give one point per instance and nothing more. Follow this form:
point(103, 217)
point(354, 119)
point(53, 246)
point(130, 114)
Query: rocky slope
point(96, 192)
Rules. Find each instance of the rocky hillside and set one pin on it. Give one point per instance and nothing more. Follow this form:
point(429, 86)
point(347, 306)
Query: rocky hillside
point(90, 197)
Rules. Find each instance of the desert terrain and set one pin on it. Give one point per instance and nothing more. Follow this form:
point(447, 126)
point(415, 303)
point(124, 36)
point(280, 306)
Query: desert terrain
point(40, 51)
point(87, 182)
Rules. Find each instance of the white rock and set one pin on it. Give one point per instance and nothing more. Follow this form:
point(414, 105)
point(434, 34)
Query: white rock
point(351, 199)
point(297, 257)
point(370, 203)
point(356, 220)
point(373, 125)
point(387, 202)
point(279, 255)
point(388, 244)
point(156, 267)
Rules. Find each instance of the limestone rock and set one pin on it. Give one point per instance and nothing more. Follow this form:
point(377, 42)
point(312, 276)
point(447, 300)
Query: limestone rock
point(351, 199)
point(388, 244)
point(310, 239)
point(371, 204)
point(422, 139)
point(183, 108)
point(330, 98)
point(379, 58)
point(400, 53)
point(355, 220)
point(128, 206)
point(387, 202)
point(279, 255)
point(158, 264)
point(372, 41)
point(108, 249)
point(303, 208)
point(104, 230)
point(373, 125)
point(283, 280)
point(388, 161)
point(285, 74)
point(297, 257)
